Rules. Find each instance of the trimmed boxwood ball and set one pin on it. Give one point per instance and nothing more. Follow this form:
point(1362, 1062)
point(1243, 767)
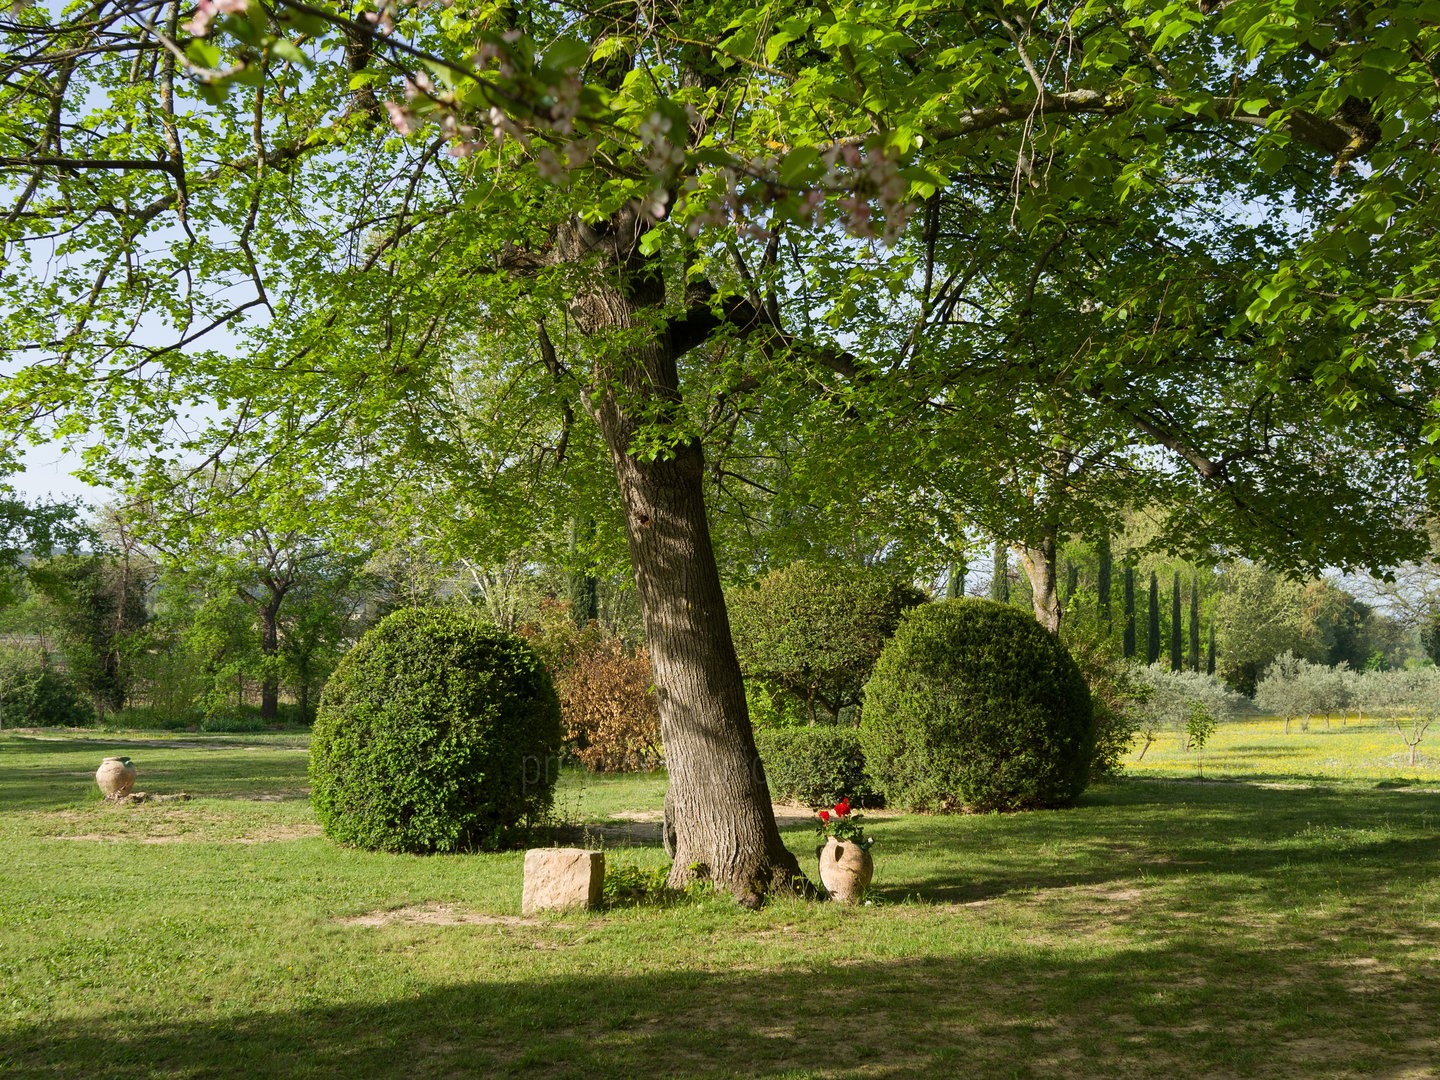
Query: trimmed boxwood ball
point(437, 732)
point(974, 706)
point(816, 766)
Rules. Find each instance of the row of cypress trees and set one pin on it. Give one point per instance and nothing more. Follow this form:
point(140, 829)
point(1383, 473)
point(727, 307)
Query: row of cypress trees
point(1183, 631)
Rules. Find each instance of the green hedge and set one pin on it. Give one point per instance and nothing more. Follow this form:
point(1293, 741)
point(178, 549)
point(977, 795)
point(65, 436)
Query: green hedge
point(974, 706)
point(817, 766)
point(34, 693)
point(437, 732)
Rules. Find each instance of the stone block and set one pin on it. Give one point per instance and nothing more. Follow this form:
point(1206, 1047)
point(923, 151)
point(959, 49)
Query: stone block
point(562, 878)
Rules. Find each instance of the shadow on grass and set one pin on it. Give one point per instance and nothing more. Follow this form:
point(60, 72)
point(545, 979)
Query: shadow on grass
point(97, 738)
point(1275, 840)
point(1189, 1009)
point(1262, 752)
point(46, 775)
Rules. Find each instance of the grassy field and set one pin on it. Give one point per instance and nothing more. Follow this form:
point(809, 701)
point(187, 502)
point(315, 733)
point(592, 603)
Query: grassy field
point(1160, 929)
point(1339, 751)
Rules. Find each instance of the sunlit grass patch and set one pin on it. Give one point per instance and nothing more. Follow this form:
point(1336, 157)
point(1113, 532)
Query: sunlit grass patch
point(1156, 930)
point(1345, 749)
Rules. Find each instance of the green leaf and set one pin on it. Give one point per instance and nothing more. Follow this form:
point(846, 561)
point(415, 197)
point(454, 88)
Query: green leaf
point(614, 45)
point(286, 49)
point(567, 55)
point(203, 53)
point(800, 166)
point(1270, 159)
point(1383, 59)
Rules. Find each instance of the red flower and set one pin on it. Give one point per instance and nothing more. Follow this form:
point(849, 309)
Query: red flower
point(842, 808)
point(824, 815)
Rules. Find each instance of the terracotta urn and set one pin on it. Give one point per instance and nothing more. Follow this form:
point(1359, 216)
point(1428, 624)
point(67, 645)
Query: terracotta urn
point(845, 870)
point(116, 776)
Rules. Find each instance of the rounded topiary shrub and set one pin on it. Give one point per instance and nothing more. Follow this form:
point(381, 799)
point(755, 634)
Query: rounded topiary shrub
point(437, 732)
point(974, 706)
point(817, 766)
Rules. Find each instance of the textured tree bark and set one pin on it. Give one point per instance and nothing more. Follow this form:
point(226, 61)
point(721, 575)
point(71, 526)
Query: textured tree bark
point(1040, 568)
point(718, 803)
point(270, 647)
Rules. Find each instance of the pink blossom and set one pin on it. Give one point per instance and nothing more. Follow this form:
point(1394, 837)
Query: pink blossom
point(207, 10)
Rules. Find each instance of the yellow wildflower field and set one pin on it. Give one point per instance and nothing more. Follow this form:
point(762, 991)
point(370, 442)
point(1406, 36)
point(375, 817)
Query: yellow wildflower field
point(1333, 748)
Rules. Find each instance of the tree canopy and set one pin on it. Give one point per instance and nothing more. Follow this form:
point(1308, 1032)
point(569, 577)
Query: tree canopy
point(1197, 236)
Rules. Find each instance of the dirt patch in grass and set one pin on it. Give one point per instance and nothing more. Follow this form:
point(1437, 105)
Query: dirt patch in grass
point(276, 795)
point(121, 838)
point(146, 824)
point(276, 833)
point(435, 915)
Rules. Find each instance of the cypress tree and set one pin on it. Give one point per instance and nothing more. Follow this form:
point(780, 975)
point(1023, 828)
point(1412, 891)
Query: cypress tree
point(1000, 577)
point(1177, 629)
point(1195, 624)
point(1210, 652)
point(1129, 641)
point(1152, 627)
point(1102, 583)
point(955, 585)
point(582, 586)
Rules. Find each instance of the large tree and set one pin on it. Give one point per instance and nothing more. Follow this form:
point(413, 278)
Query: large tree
point(654, 197)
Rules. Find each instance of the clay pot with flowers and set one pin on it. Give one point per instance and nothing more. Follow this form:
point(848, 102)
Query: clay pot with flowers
point(845, 863)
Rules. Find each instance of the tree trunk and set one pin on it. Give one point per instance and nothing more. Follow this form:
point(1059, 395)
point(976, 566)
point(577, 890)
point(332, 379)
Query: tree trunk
point(582, 585)
point(1040, 568)
point(269, 648)
point(955, 579)
point(302, 693)
point(718, 803)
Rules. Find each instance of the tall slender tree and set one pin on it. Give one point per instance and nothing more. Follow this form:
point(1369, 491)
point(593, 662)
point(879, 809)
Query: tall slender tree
point(1102, 582)
point(1194, 657)
point(581, 583)
point(1177, 626)
point(1000, 573)
point(955, 579)
point(1152, 623)
point(1129, 638)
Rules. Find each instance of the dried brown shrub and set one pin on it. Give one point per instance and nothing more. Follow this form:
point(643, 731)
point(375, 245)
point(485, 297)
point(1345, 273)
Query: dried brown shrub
point(607, 698)
point(607, 695)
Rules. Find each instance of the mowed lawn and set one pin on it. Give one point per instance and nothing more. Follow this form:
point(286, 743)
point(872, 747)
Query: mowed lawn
point(1160, 929)
point(1334, 750)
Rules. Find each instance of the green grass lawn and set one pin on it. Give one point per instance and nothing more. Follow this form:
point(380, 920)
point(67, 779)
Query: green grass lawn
point(1159, 929)
point(1335, 751)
